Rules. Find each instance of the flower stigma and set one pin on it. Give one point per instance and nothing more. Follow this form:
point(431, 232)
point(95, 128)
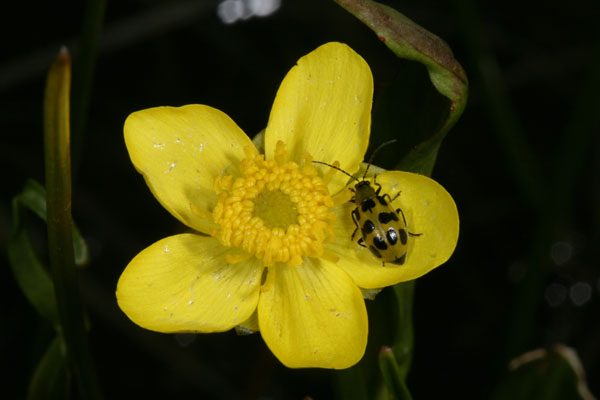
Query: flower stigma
point(276, 210)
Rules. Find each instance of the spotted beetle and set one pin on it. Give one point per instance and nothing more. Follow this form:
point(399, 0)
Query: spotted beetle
point(383, 230)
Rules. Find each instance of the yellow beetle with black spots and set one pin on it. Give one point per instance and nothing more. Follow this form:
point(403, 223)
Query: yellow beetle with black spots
point(383, 232)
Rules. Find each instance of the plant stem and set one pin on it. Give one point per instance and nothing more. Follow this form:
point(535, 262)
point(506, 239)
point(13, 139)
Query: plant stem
point(60, 237)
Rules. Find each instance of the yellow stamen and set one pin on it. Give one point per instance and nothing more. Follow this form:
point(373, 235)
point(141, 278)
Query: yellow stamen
point(276, 210)
point(331, 172)
point(280, 155)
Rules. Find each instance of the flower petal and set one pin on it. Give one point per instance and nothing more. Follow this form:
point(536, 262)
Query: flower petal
point(313, 315)
point(183, 284)
point(249, 326)
point(429, 211)
point(179, 151)
point(323, 107)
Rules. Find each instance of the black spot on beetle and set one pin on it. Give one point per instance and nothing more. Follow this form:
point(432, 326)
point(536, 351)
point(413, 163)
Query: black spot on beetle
point(379, 243)
point(368, 227)
point(385, 218)
point(375, 252)
point(400, 260)
point(382, 200)
point(403, 236)
point(392, 236)
point(368, 205)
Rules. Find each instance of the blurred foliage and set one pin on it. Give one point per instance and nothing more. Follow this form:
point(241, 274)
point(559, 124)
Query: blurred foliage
point(522, 164)
point(545, 375)
point(396, 388)
point(50, 379)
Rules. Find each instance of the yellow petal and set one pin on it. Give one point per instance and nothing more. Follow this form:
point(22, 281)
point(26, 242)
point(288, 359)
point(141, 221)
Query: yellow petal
point(323, 107)
point(313, 315)
point(429, 211)
point(249, 326)
point(182, 284)
point(179, 151)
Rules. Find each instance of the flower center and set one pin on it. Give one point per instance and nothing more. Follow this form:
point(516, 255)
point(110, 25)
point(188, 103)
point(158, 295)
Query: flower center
point(276, 210)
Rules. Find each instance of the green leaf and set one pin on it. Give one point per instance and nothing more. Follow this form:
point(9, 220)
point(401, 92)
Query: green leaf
point(412, 42)
point(29, 272)
point(33, 197)
point(392, 376)
point(50, 379)
point(554, 374)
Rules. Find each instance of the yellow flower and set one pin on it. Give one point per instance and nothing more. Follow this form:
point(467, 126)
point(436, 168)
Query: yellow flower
point(273, 250)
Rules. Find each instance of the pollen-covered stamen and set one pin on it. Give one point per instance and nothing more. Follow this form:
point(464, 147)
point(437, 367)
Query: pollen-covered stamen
point(275, 211)
point(330, 172)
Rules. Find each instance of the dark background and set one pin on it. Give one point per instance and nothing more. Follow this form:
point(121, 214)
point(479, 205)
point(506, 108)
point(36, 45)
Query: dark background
point(469, 314)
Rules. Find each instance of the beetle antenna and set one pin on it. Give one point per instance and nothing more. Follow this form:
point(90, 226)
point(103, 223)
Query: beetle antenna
point(338, 168)
point(382, 145)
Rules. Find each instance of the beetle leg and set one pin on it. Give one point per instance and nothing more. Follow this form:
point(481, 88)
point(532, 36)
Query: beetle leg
point(399, 211)
point(355, 219)
point(353, 199)
point(361, 242)
point(376, 184)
